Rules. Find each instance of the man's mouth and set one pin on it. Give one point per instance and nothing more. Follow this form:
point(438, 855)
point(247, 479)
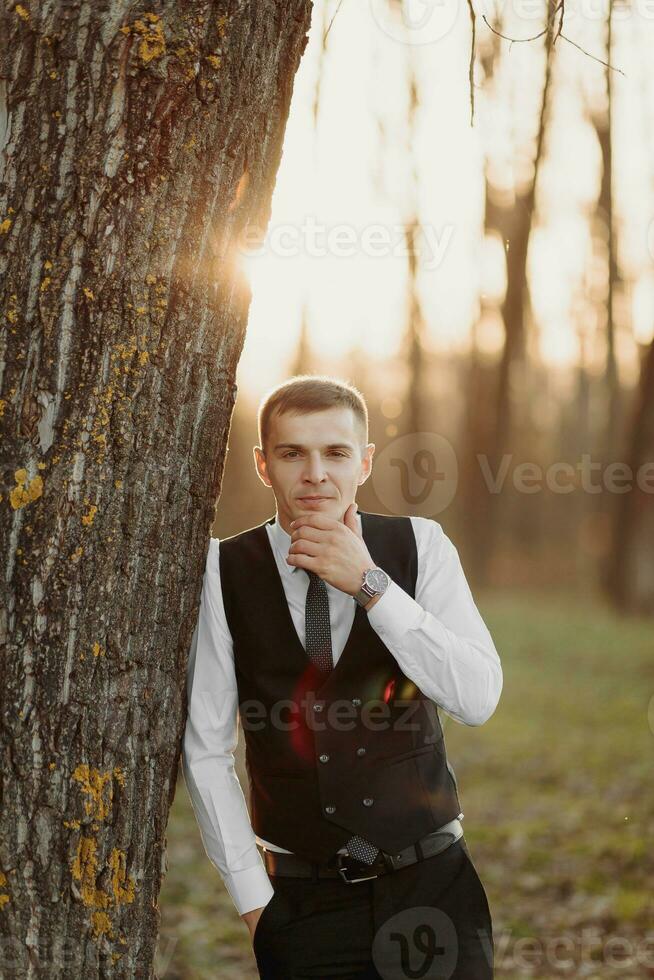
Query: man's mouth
point(313, 499)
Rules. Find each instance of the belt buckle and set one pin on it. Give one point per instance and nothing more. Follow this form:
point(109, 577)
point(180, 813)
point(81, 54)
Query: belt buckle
point(342, 872)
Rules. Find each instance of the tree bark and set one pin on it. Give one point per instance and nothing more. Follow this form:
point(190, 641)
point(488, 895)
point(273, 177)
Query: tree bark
point(137, 143)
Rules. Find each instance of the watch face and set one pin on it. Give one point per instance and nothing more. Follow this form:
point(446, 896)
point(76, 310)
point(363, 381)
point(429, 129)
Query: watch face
point(377, 579)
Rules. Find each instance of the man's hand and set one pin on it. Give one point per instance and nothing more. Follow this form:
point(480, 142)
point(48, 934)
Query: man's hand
point(251, 918)
point(334, 550)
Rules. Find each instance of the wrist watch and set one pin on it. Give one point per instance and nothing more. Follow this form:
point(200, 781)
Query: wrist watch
point(375, 582)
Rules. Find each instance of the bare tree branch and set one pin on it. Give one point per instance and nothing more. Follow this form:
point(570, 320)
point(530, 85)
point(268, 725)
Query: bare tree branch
point(471, 67)
point(605, 63)
point(559, 33)
point(518, 40)
point(324, 37)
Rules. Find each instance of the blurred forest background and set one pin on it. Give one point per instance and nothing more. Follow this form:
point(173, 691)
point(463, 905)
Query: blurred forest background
point(473, 247)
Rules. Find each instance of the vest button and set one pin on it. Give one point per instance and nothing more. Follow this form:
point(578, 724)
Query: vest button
point(368, 801)
point(356, 702)
point(317, 707)
point(324, 757)
point(361, 751)
point(330, 809)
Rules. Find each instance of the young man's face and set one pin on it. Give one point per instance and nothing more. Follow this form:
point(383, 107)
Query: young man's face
point(314, 463)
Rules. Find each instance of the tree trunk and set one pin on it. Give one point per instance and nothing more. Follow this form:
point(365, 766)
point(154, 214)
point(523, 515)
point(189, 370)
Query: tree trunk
point(515, 225)
point(611, 436)
point(629, 574)
point(135, 147)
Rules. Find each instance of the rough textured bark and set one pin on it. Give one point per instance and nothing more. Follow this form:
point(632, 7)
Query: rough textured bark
point(136, 143)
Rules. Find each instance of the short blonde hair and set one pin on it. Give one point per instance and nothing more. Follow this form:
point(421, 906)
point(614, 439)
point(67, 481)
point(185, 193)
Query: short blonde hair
point(311, 393)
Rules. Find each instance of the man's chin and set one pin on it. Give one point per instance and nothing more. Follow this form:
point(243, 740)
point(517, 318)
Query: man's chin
point(329, 506)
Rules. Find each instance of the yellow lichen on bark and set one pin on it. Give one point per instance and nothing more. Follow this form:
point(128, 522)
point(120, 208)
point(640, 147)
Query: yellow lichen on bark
point(26, 490)
point(85, 870)
point(95, 785)
point(3, 884)
point(5, 226)
point(22, 12)
point(152, 42)
point(87, 519)
point(122, 885)
point(101, 924)
point(85, 866)
point(12, 310)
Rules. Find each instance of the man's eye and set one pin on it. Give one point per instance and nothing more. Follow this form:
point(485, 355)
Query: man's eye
point(293, 452)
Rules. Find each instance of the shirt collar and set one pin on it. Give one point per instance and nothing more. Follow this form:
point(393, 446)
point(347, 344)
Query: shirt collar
point(281, 540)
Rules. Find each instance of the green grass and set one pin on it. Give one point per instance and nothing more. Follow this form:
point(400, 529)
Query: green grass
point(558, 799)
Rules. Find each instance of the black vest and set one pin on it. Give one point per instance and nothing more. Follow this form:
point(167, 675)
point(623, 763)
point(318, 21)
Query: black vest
point(359, 749)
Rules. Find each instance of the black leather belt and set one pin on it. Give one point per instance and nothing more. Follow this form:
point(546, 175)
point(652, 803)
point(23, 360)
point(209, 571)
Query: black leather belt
point(351, 870)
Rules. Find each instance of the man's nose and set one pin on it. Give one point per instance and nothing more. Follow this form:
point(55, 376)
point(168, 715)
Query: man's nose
point(314, 469)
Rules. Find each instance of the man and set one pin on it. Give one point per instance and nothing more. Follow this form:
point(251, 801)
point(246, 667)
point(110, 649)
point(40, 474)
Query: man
point(333, 635)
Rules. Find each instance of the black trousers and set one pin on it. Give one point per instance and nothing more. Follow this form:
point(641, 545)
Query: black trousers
point(429, 920)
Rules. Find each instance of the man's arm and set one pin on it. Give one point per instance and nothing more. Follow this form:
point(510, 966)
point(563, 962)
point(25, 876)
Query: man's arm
point(439, 638)
point(210, 737)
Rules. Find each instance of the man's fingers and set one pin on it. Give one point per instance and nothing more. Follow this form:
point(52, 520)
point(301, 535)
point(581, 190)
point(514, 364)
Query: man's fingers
point(304, 561)
point(303, 546)
point(309, 532)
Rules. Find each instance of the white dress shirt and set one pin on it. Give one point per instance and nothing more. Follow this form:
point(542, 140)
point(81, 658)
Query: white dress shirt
point(438, 639)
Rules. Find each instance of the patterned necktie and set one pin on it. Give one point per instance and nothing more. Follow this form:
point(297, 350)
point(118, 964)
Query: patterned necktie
point(318, 638)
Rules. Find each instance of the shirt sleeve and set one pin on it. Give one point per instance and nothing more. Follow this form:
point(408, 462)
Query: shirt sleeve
point(210, 737)
point(439, 639)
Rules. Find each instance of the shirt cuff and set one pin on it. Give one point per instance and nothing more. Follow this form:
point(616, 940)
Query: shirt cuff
point(249, 889)
point(394, 613)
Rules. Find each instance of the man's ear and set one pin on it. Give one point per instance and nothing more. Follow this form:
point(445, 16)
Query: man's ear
point(366, 465)
point(261, 467)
